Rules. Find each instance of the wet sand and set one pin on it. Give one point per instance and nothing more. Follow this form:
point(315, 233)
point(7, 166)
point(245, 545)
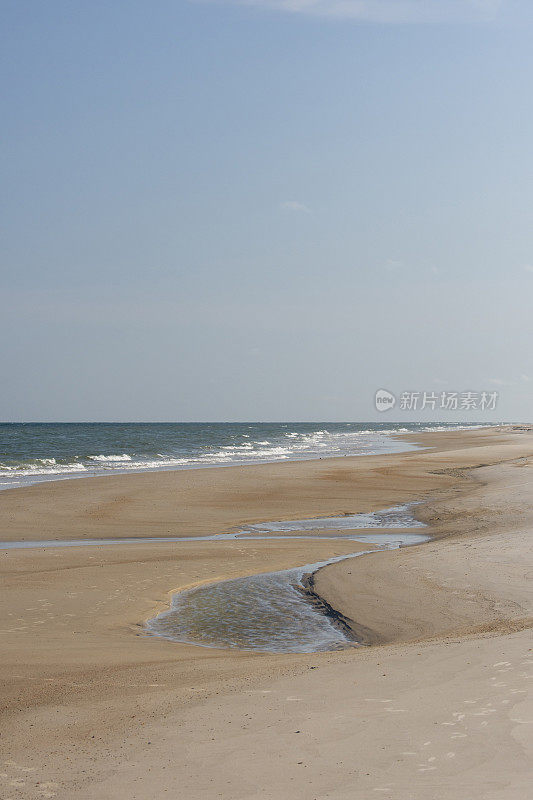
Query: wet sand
point(93, 708)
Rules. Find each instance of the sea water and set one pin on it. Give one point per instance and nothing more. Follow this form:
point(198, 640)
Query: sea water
point(33, 452)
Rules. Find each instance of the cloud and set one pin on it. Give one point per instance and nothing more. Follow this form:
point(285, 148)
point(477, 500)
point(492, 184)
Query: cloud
point(296, 206)
point(528, 267)
point(384, 11)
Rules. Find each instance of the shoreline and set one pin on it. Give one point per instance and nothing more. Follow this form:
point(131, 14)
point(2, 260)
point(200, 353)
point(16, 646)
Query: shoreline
point(92, 708)
point(96, 506)
point(39, 478)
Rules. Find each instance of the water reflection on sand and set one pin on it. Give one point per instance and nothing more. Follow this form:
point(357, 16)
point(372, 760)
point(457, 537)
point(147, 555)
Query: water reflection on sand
point(270, 612)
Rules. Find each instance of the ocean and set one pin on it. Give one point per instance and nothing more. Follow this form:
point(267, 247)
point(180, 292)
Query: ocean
point(34, 452)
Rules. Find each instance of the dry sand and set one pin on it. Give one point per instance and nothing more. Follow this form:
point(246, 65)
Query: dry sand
point(94, 709)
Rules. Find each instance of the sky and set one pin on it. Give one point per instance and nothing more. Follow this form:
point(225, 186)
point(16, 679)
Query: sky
point(264, 210)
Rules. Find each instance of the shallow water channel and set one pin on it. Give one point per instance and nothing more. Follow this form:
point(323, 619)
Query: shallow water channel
point(271, 612)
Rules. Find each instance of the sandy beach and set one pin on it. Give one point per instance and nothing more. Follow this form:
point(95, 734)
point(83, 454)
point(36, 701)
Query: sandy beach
point(437, 707)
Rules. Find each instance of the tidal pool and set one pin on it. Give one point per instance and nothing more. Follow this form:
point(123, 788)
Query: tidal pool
point(271, 612)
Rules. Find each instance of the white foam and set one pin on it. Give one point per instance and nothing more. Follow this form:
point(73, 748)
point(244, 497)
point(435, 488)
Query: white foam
point(123, 457)
point(40, 468)
point(282, 445)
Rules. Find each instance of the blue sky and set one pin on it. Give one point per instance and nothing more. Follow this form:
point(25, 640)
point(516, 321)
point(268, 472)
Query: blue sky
point(264, 210)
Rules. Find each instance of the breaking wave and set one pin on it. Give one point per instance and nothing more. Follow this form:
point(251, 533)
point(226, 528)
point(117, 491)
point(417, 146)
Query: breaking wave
point(35, 452)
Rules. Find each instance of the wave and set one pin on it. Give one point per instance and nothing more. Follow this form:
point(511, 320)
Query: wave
point(207, 446)
point(40, 468)
point(123, 457)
